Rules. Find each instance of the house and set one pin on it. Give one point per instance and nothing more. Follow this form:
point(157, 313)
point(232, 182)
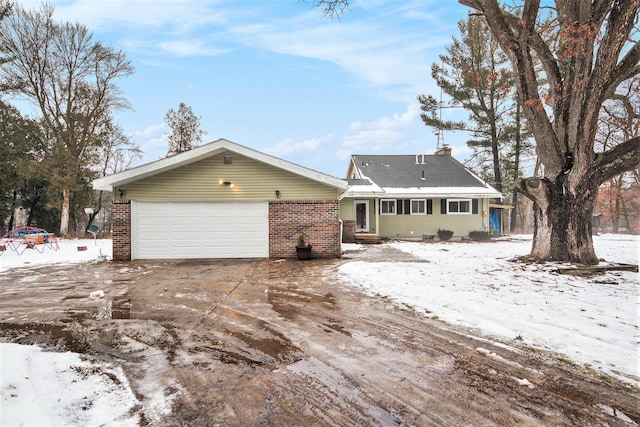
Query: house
point(222, 200)
point(413, 196)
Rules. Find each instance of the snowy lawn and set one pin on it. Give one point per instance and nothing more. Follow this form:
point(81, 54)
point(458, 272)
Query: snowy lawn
point(592, 320)
point(40, 388)
point(67, 254)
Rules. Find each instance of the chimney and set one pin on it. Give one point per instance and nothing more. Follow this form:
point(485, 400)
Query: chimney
point(444, 151)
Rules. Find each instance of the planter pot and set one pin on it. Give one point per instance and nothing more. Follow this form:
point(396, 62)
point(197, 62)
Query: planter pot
point(303, 253)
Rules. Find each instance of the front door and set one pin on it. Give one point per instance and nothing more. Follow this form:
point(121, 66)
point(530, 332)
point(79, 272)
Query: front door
point(362, 216)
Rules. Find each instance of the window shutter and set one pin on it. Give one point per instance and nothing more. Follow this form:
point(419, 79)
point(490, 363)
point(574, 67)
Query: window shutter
point(443, 206)
point(407, 207)
point(474, 206)
point(399, 207)
point(429, 206)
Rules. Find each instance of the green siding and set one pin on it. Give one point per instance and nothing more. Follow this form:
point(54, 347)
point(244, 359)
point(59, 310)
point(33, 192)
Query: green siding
point(347, 212)
point(407, 226)
point(252, 180)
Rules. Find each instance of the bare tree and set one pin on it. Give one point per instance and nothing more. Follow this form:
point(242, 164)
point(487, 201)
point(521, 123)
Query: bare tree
point(71, 79)
point(116, 153)
point(185, 130)
point(592, 54)
point(619, 197)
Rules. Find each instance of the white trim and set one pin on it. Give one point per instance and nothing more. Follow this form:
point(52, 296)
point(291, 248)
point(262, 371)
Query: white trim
point(367, 226)
point(470, 201)
point(394, 203)
point(424, 201)
point(109, 182)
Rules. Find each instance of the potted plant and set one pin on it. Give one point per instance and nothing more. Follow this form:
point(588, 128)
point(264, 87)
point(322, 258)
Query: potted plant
point(303, 248)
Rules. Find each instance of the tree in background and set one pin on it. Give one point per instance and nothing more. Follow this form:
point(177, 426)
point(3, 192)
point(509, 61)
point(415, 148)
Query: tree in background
point(565, 69)
point(619, 198)
point(22, 183)
point(71, 79)
point(185, 132)
point(475, 75)
point(116, 153)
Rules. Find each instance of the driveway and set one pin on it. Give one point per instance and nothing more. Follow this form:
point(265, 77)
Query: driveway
point(275, 342)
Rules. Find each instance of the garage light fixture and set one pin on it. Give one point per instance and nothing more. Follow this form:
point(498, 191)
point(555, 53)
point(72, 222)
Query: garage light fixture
point(226, 183)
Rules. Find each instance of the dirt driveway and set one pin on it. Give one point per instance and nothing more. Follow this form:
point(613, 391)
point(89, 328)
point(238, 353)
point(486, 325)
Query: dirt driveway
point(283, 343)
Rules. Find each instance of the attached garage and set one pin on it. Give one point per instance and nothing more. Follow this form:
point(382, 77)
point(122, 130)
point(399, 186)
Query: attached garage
point(222, 200)
point(165, 230)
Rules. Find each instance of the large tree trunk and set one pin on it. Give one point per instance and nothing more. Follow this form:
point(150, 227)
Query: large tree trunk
point(14, 205)
point(64, 213)
point(593, 54)
point(563, 220)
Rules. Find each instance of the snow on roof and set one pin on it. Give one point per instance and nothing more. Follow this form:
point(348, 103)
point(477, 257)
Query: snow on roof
point(417, 175)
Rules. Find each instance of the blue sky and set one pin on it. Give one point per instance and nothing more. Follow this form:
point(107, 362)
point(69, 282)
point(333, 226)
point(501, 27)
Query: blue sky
point(278, 76)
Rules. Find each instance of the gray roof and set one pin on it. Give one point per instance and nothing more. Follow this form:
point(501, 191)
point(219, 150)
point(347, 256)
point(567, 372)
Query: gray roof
point(409, 171)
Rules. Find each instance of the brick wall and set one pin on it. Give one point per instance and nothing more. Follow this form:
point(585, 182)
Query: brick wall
point(348, 231)
point(318, 220)
point(121, 230)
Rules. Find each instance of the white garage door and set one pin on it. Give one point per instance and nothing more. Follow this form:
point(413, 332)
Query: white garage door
point(199, 230)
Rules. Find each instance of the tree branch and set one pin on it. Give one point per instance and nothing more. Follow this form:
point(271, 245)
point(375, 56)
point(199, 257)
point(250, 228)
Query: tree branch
point(626, 69)
point(517, 39)
point(621, 20)
point(621, 158)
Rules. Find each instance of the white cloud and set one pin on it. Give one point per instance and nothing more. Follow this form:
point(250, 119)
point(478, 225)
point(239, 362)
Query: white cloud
point(397, 120)
point(384, 135)
point(367, 41)
point(289, 146)
point(173, 16)
point(153, 142)
point(393, 59)
point(190, 48)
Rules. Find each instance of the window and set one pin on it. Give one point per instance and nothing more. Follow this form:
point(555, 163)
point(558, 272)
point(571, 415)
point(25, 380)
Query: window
point(459, 206)
point(227, 160)
point(387, 207)
point(418, 207)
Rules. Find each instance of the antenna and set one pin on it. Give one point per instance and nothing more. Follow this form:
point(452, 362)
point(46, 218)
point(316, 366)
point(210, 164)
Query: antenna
point(440, 131)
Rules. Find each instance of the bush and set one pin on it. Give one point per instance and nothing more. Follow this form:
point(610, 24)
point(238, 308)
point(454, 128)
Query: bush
point(479, 235)
point(444, 234)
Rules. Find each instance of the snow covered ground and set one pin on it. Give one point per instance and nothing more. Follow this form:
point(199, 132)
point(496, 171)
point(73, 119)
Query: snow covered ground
point(594, 320)
point(40, 388)
point(67, 254)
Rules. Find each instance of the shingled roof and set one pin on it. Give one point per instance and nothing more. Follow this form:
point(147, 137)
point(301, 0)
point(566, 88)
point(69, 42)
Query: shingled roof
point(422, 174)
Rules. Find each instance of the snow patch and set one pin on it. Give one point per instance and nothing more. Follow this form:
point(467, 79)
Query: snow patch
point(43, 388)
point(591, 320)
